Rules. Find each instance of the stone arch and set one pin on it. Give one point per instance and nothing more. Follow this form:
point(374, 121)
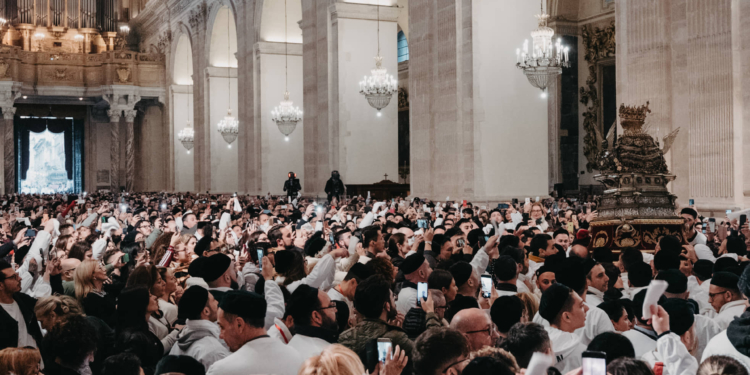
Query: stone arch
point(182, 61)
point(218, 35)
point(272, 21)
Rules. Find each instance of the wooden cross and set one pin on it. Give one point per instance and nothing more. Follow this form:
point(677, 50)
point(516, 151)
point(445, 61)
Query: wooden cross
point(386, 176)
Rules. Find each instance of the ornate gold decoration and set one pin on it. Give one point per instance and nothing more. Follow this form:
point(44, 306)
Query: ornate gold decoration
point(598, 43)
point(627, 236)
point(61, 74)
point(655, 235)
point(123, 75)
point(601, 239)
point(4, 67)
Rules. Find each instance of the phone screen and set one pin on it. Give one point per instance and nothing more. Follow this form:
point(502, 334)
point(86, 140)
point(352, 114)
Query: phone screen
point(712, 225)
point(260, 258)
point(384, 345)
point(421, 293)
point(422, 223)
point(743, 220)
point(125, 258)
point(691, 202)
point(460, 242)
point(319, 226)
point(486, 286)
point(593, 364)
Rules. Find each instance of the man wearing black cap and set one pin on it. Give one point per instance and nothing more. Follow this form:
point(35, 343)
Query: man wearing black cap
point(733, 341)
point(642, 336)
point(200, 337)
point(705, 327)
point(346, 289)
point(505, 272)
point(673, 322)
point(242, 318)
point(220, 275)
point(693, 235)
point(315, 322)
point(724, 295)
point(598, 283)
point(566, 312)
point(466, 279)
point(416, 270)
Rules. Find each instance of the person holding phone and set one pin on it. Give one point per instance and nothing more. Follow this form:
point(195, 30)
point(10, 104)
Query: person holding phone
point(692, 235)
point(416, 270)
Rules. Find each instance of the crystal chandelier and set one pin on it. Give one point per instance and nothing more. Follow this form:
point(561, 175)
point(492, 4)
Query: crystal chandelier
point(545, 60)
point(285, 115)
point(187, 134)
point(379, 86)
point(229, 127)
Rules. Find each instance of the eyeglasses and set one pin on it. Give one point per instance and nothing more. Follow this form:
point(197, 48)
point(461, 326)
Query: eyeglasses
point(332, 306)
point(453, 364)
point(441, 307)
point(15, 276)
point(489, 330)
point(712, 295)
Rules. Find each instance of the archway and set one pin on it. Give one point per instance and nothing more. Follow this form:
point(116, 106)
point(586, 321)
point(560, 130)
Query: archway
point(182, 112)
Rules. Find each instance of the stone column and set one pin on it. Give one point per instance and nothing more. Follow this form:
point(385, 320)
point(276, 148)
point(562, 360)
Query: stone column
point(129, 149)
point(554, 112)
point(114, 153)
point(10, 160)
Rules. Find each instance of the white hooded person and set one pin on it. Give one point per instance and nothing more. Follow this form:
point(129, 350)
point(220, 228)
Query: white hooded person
point(200, 337)
point(566, 312)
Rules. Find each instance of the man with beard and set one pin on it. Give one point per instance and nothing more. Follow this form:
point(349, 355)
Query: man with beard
point(220, 275)
point(374, 300)
point(314, 315)
point(334, 186)
point(200, 337)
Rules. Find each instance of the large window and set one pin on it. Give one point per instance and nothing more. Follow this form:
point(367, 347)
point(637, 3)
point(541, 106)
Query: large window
point(403, 47)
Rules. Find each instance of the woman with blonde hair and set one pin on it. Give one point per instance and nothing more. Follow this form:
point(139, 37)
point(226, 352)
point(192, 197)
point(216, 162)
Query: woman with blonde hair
point(339, 360)
point(89, 286)
point(20, 361)
point(530, 306)
point(52, 309)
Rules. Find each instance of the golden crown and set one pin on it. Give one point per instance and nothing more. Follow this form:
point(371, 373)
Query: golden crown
point(634, 113)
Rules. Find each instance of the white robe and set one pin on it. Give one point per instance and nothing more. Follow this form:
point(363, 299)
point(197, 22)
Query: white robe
point(308, 346)
point(728, 312)
point(705, 329)
point(594, 297)
point(642, 343)
point(263, 355)
point(597, 321)
point(567, 349)
point(720, 345)
point(673, 354)
point(407, 300)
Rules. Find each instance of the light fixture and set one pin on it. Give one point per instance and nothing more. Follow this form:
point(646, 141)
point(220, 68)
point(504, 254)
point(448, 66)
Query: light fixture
point(544, 61)
point(379, 86)
point(229, 127)
point(121, 41)
point(80, 99)
point(40, 39)
point(25, 97)
point(187, 134)
point(286, 115)
point(79, 38)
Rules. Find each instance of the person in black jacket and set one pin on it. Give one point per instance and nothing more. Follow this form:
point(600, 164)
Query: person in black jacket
point(18, 324)
point(292, 186)
point(134, 307)
point(334, 186)
point(68, 346)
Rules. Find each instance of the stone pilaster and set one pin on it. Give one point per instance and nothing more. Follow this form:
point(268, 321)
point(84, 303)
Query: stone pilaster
point(554, 115)
point(114, 153)
point(129, 149)
point(10, 155)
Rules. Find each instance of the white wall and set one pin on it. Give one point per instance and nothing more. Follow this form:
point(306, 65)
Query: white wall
point(368, 144)
point(103, 149)
point(184, 179)
point(224, 165)
point(280, 157)
point(510, 116)
point(272, 25)
point(219, 39)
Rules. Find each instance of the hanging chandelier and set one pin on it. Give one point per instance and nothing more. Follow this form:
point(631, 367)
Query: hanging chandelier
point(229, 127)
point(186, 136)
point(545, 60)
point(285, 115)
point(379, 86)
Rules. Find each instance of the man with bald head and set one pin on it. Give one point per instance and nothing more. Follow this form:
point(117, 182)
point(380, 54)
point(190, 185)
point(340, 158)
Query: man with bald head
point(578, 248)
point(477, 327)
point(69, 266)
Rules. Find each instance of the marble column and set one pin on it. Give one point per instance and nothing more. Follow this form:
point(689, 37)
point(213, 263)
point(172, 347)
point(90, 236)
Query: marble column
point(129, 149)
point(554, 113)
point(10, 159)
point(114, 153)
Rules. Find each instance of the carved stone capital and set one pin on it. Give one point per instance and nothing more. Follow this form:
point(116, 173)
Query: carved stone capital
point(130, 115)
point(9, 113)
point(114, 115)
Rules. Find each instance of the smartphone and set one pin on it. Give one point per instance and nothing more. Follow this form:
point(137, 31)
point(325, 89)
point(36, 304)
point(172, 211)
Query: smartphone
point(594, 363)
point(125, 258)
point(486, 286)
point(537, 199)
point(691, 202)
point(384, 346)
point(319, 226)
point(421, 293)
point(743, 220)
point(729, 212)
point(528, 200)
point(260, 258)
point(539, 221)
point(460, 242)
point(712, 224)
point(514, 201)
point(422, 223)
point(30, 233)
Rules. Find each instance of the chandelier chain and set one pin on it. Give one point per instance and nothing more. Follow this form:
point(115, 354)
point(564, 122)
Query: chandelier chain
point(286, 53)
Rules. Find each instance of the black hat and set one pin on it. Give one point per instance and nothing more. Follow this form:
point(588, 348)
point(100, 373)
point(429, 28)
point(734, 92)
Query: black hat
point(202, 245)
point(197, 266)
point(689, 211)
point(588, 265)
point(461, 272)
point(248, 305)
point(506, 311)
point(553, 300)
point(460, 303)
point(725, 280)
point(703, 269)
point(505, 268)
point(676, 280)
point(358, 271)
point(192, 302)
point(603, 255)
point(215, 266)
point(572, 273)
point(725, 264)
point(314, 245)
point(284, 260)
point(681, 315)
point(412, 263)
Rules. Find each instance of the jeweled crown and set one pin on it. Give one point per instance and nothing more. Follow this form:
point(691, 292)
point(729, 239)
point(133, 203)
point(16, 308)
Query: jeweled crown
point(637, 114)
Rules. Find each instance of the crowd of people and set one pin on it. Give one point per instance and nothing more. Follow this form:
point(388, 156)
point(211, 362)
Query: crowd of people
point(158, 283)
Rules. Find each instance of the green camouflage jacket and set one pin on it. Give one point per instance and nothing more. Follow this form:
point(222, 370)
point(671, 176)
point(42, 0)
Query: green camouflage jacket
point(356, 337)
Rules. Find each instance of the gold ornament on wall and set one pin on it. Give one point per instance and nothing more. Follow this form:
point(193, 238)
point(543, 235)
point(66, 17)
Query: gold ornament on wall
point(627, 236)
point(655, 235)
point(598, 44)
point(123, 75)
